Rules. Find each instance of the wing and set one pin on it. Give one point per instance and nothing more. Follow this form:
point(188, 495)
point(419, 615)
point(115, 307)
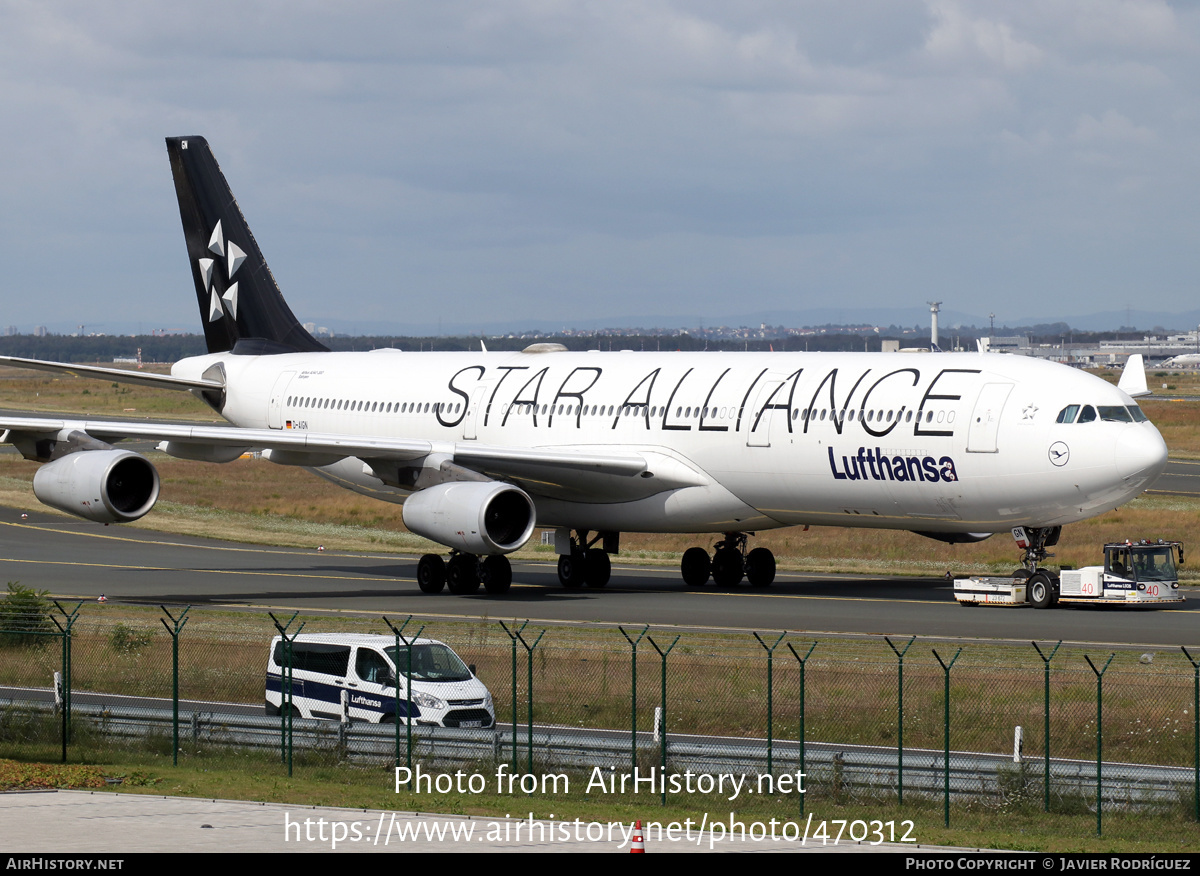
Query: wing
point(398, 462)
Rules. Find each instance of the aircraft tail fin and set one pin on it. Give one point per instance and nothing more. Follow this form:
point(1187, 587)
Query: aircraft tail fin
point(1133, 377)
point(241, 306)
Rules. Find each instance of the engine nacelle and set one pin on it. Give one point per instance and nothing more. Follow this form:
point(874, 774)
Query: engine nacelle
point(108, 486)
point(471, 516)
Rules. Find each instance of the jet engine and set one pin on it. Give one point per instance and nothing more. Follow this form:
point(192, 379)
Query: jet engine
point(108, 486)
point(474, 517)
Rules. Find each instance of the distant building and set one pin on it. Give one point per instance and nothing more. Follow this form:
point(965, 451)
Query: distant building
point(39, 331)
point(1013, 344)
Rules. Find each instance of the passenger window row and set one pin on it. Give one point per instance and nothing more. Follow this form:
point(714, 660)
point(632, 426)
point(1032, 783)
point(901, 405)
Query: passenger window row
point(684, 412)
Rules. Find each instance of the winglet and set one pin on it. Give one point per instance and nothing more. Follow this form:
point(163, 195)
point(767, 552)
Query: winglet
point(1133, 378)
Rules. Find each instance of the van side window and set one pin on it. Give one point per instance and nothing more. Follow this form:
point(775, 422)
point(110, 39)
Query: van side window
point(315, 657)
point(371, 666)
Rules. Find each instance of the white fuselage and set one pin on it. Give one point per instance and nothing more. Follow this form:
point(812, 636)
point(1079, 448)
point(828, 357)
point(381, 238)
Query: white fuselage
point(738, 441)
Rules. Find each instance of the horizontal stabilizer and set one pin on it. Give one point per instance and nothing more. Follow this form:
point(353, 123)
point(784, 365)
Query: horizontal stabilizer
point(119, 375)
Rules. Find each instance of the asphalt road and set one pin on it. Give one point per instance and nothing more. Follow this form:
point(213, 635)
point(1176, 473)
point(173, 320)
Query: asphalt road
point(1181, 478)
point(83, 560)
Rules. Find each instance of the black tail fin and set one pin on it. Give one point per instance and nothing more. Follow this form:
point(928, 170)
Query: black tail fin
point(240, 304)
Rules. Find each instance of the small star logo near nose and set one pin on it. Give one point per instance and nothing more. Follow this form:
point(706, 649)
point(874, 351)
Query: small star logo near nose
point(1028, 411)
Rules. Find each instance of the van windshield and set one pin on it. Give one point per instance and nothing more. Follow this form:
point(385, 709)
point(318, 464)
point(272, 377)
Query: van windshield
point(433, 662)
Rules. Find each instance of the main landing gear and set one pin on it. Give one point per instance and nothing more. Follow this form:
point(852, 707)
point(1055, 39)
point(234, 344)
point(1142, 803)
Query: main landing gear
point(585, 563)
point(463, 573)
point(730, 563)
point(1041, 586)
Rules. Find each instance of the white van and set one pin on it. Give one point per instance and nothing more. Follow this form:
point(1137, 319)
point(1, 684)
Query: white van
point(355, 676)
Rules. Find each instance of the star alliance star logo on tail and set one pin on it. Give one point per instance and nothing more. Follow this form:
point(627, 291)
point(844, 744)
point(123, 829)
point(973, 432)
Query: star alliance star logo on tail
point(232, 257)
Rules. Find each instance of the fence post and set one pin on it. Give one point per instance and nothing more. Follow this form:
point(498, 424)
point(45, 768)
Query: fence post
point(770, 690)
point(529, 693)
point(513, 636)
point(803, 661)
point(285, 689)
point(900, 715)
point(173, 630)
point(1046, 718)
point(408, 643)
point(633, 696)
point(1099, 736)
point(946, 753)
point(663, 734)
point(64, 629)
point(1195, 729)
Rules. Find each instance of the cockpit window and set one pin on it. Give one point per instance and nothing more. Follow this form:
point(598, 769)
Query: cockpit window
point(1115, 414)
point(1087, 415)
point(1067, 414)
point(1139, 416)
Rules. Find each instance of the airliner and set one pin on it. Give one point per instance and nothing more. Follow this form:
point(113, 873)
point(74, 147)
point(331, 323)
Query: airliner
point(482, 447)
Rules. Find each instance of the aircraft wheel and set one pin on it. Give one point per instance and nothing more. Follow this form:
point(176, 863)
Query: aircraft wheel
point(571, 570)
point(462, 574)
point(1019, 575)
point(597, 567)
point(431, 574)
point(1040, 592)
point(727, 567)
point(696, 567)
point(760, 567)
point(497, 575)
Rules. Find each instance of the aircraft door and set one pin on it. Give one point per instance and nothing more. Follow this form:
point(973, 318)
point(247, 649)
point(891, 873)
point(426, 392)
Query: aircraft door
point(757, 418)
point(985, 419)
point(275, 404)
point(474, 413)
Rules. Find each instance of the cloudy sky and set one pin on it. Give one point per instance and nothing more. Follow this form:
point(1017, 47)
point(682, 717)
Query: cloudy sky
point(479, 162)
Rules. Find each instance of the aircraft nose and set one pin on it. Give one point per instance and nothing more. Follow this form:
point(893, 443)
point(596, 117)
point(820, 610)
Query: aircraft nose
point(1141, 454)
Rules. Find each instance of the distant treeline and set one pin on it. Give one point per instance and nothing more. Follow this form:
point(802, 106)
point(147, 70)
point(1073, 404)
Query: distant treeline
point(171, 348)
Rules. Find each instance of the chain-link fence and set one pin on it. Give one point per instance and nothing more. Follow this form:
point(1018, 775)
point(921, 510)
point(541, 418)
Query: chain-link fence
point(769, 722)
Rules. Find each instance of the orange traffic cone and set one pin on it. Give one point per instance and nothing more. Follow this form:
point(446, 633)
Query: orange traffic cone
point(638, 845)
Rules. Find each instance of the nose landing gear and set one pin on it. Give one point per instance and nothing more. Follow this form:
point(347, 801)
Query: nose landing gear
point(1041, 587)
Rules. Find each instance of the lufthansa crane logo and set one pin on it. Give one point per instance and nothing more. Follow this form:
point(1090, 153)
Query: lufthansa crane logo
point(229, 257)
point(1059, 453)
